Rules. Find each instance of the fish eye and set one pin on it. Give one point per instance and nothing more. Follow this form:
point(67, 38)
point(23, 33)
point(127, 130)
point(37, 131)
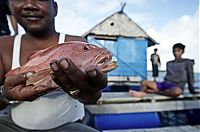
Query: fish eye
point(85, 48)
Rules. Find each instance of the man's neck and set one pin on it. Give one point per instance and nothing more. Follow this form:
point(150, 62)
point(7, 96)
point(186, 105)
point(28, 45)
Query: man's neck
point(41, 35)
point(178, 59)
point(42, 41)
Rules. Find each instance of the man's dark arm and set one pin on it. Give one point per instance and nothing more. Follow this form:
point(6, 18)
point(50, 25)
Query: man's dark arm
point(190, 76)
point(151, 59)
point(159, 60)
point(3, 100)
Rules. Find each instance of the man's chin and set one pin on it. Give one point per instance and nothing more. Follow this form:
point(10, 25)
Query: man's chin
point(36, 32)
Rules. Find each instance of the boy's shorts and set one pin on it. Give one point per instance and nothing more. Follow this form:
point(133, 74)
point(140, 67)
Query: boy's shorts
point(165, 85)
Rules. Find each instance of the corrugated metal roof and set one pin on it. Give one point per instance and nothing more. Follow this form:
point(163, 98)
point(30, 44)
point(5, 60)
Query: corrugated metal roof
point(119, 24)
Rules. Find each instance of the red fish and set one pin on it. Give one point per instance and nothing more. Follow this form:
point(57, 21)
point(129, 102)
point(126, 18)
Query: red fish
point(81, 53)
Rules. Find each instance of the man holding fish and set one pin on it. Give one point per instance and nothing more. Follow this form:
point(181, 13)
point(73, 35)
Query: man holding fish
point(49, 81)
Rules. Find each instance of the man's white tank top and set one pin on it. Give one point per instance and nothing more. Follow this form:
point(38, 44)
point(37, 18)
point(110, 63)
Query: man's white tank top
point(46, 112)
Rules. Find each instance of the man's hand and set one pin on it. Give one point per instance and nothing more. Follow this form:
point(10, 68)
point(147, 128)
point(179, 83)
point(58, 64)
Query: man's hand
point(15, 88)
point(195, 92)
point(3, 102)
point(85, 87)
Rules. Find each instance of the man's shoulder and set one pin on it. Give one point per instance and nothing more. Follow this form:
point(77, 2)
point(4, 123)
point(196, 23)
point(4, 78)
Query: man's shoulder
point(74, 38)
point(6, 39)
point(172, 61)
point(6, 43)
point(184, 61)
point(189, 61)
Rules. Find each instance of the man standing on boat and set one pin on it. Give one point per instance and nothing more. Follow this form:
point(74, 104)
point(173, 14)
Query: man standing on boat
point(155, 60)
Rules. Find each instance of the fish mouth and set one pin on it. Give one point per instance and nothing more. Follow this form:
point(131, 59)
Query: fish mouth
point(104, 62)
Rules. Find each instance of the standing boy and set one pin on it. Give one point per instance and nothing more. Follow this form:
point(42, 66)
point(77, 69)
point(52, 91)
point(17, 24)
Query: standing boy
point(155, 60)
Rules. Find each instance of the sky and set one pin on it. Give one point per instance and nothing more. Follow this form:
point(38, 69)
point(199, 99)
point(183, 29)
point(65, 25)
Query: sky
point(166, 21)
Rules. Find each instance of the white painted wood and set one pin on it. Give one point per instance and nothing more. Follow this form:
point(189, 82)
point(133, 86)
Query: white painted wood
point(162, 129)
point(122, 102)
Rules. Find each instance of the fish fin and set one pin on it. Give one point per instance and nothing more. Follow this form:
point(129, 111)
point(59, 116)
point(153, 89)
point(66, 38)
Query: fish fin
point(32, 55)
point(38, 52)
point(38, 76)
point(46, 81)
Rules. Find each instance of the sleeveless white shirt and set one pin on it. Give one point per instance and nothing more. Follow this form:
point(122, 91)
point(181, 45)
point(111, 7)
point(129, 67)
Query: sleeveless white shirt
point(46, 112)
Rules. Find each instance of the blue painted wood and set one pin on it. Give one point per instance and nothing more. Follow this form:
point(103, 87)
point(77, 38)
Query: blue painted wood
point(130, 54)
point(126, 121)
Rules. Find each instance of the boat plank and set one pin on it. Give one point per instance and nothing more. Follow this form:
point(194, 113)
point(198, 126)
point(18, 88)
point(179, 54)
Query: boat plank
point(118, 102)
point(187, 128)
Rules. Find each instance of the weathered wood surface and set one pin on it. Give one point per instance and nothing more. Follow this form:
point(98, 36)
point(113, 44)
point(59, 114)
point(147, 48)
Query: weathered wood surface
point(163, 129)
point(122, 102)
point(124, 80)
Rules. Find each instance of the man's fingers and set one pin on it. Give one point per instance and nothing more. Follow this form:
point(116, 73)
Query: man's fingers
point(54, 65)
point(68, 75)
point(72, 73)
point(17, 79)
point(28, 93)
point(70, 69)
point(92, 71)
point(72, 76)
point(96, 76)
point(59, 76)
point(61, 82)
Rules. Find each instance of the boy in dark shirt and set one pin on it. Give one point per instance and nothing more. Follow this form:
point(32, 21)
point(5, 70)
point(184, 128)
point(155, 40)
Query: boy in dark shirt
point(179, 72)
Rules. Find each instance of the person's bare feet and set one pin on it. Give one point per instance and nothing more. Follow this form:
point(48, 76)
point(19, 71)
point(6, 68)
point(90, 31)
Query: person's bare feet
point(138, 94)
